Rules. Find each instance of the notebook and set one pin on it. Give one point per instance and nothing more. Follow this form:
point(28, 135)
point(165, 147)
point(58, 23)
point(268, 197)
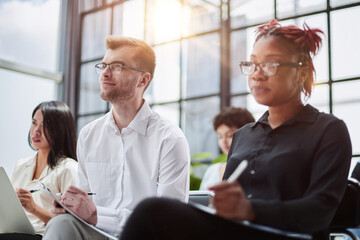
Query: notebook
point(13, 218)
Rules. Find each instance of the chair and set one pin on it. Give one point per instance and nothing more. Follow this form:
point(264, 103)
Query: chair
point(348, 212)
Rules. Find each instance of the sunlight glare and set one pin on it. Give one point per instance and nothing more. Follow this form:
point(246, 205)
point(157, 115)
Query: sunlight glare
point(167, 16)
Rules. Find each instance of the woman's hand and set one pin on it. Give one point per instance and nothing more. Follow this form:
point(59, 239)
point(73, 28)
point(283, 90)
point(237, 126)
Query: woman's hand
point(26, 200)
point(230, 201)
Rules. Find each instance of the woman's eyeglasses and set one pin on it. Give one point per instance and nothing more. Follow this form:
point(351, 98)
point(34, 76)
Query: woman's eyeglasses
point(268, 69)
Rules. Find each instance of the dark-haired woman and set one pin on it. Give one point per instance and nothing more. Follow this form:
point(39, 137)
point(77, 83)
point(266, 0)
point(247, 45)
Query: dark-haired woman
point(298, 157)
point(52, 134)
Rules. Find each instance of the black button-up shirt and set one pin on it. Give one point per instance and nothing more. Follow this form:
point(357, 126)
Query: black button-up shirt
point(297, 172)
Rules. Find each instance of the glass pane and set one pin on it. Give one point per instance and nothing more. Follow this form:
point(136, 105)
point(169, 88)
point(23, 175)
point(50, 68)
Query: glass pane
point(320, 98)
point(90, 100)
point(96, 27)
point(241, 46)
point(346, 106)
point(163, 20)
point(239, 101)
point(126, 23)
point(286, 8)
point(169, 112)
point(201, 66)
point(336, 3)
point(29, 32)
point(345, 43)
point(82, 121)
point(200, 16)
point(19, 95)
point(87, 5)
point(166, 83)
point(248, 12)
point(197, 125)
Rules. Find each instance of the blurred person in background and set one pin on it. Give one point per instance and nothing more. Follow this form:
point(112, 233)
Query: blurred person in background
point(225, 123)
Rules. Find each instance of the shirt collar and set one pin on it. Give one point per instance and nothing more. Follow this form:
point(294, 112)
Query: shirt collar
point(140, 121)
point(306, 115)
point(31, 163)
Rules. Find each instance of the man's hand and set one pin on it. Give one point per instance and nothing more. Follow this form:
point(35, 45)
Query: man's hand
point(230, 201)
point(78, 202)
point(26, 200)
point(57, 209)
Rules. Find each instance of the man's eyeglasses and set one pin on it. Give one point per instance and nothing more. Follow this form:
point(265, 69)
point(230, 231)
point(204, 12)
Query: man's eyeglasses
point(268, 69)
point(115, 68)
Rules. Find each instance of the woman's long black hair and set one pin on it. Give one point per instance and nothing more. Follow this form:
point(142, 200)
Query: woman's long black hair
point(59, 131)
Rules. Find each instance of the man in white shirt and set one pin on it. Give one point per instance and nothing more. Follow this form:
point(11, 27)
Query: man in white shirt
point(127, 155)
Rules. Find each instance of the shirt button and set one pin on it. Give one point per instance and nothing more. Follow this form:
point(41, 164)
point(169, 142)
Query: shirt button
point(252, 172)
point(249, 196)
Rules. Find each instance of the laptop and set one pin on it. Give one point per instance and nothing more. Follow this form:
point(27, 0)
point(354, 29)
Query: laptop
point(13, 218)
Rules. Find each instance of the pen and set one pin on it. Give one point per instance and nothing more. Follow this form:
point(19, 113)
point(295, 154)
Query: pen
point(89, 193)
point(34, 190)
point(238, 171)
point(235, 175)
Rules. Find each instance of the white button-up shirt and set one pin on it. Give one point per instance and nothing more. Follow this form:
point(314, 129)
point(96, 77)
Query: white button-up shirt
point(148, 158)
point(57, 180)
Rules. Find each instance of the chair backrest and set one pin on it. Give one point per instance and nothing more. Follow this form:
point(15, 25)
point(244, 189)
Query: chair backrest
point(348, 212)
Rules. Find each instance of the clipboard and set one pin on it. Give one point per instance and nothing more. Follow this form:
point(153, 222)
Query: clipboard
point(43, 186)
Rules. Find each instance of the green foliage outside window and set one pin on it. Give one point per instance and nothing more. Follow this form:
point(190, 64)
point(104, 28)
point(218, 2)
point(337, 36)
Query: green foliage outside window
point(198, 166)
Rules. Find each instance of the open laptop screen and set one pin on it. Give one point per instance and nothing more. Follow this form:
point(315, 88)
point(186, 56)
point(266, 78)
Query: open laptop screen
point(13, 218)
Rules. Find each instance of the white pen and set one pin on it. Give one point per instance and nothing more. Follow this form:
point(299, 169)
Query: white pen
point(235, 175)
point(238, 171)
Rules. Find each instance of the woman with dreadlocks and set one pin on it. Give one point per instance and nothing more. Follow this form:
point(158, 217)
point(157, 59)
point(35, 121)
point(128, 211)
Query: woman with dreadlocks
point(298, 158)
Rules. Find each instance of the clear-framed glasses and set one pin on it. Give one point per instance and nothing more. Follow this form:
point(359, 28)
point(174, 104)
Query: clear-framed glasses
point(268, 69)
point(115, 68)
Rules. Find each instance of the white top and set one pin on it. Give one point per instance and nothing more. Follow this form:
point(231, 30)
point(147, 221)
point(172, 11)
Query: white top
point(57, 180)
point(211, 176)
point(148, 158)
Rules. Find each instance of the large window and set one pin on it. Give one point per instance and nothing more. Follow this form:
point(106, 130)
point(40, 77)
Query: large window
point(29, 70)
point(199, 43)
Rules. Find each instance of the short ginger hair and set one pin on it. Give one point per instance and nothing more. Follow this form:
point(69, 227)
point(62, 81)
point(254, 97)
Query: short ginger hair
point(145, 53)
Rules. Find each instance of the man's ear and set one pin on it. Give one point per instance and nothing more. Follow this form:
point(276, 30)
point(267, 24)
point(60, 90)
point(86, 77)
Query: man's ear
point(145, 80)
